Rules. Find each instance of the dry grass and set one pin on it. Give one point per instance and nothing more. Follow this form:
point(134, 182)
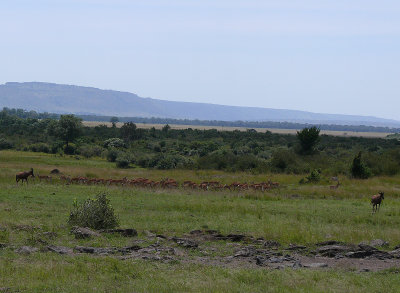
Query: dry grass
point(223, 128)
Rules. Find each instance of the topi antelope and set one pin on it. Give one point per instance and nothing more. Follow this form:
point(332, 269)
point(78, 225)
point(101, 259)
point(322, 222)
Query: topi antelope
point(376, 201)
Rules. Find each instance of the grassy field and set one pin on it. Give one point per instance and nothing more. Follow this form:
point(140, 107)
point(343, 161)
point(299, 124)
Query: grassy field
point(293, 213)
point(227, 128)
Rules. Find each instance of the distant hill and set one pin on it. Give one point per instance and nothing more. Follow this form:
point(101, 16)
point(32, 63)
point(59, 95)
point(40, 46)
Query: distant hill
point(60, 98)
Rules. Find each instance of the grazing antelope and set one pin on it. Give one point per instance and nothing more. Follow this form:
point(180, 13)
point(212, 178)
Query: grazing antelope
point(44, 177)
point(24, 176)
point(376, 201)
point(335, 186)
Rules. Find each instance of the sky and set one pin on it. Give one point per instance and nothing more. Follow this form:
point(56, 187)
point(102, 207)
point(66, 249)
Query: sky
point(323, 56)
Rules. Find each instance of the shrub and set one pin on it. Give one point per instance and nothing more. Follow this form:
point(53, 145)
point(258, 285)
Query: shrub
point(94, 213)
point(359, 169)
point(283, 159)
point(123, 161)
point(308, 139)
point(114, 143)
point(315, 176)
point(40, 147)
point(70, 149)
point(89, 151)
point(112, 155)
point(5, 144)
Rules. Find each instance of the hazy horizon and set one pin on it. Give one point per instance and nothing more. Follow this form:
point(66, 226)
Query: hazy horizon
point(321, 57)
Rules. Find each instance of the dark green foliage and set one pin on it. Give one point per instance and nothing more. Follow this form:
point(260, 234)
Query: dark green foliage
point(308, 139)
point(40, 147)
point(314, 177)
point(123, 160)
point(359, 169)
point(70, 149)
point(68, 128)
point(283, 160)
point(114, 143)
point(5, 144)
point(89, 151)
point(112, 155)
point(94, 213)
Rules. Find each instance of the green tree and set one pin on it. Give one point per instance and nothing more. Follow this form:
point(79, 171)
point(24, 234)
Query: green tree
point(69, 128)
point(308, 139)
point(359, 169)
point(129, 131)
point(114, 120)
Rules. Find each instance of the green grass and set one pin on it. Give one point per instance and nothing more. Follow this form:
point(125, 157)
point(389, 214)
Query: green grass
point(294, 213)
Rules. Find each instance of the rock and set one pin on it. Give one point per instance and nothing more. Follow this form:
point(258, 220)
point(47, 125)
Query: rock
point(196, 232)
point(271, 244)
point(330, 242)
point(26, 250)
point(395, 253)
point(235, 237)
point(55, 171)
point(275, 260)
point(363, 270)
point(81, 233)
point(245, 252)
point(297, 265)
point(333, 250)
point(185, 242)
point(212, 232)
point(316, 265)
point(124, 232)
point(365, 250)
point(60, 249)
point(95, 250)
point(260, 260)
point(379, 243)
point(149, 234)
point(296, 247)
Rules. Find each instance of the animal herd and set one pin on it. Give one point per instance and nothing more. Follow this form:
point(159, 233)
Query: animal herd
point(376, 200)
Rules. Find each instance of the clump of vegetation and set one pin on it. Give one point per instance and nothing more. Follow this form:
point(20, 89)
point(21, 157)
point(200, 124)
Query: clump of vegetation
point(94, 213)
point(308, 138)
point(313, 177)
point(114, 142)
point(5, 144)
point(359, 169)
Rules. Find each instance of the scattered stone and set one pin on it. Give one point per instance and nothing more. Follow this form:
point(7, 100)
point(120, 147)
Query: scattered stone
point(297, 265)
point(379, 243)
point(149, 234)
point(196, 232)
point(81, 233)
point(275, 260)
point(271, 244)
point(333, 250)
point(296, 247)
point(60, 249)
point(245, 252)
point(316, 265)
point(329, 242)
point(395, 253)
point(260, 260)
point(55, 171)
point(124, 232)
point(187, 243)
point(161, 236)
point(95, 250)
point(26, 250)
point(212, 232)
point(363, 270)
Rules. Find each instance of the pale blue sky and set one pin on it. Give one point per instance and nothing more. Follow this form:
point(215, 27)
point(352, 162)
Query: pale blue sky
point(323, 56)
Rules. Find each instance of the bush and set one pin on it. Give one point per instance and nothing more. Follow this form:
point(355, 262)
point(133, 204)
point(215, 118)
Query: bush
point(89, 151)
point(70, 149)
point(40, 148)
point(114, 143)
point(123, 161)
point(5, 144)
point(112, 155)
point(359, 169)
point(94, 213)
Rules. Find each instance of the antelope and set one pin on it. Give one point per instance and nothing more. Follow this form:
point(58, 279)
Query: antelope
point(376, 201)
point(44, 177)
point(335, 186)
point(24, 176)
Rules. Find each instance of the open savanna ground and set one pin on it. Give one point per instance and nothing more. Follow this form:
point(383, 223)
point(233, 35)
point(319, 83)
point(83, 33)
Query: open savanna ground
point(228, 128)
point(36, 215)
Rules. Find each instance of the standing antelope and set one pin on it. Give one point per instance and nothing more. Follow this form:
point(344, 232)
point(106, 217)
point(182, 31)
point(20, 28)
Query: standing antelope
point(376, 201)
point(24, 176)
point(335, 186)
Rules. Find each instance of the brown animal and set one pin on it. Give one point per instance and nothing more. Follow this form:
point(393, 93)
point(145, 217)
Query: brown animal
point(24, 176)
point(376, 201)
point(335, 186)
point(44, 177)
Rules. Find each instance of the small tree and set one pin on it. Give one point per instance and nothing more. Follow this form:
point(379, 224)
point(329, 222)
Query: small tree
point(114, 120)
point(129, 131)
point(68, 128)
point(308, 138)
point(359, 169)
